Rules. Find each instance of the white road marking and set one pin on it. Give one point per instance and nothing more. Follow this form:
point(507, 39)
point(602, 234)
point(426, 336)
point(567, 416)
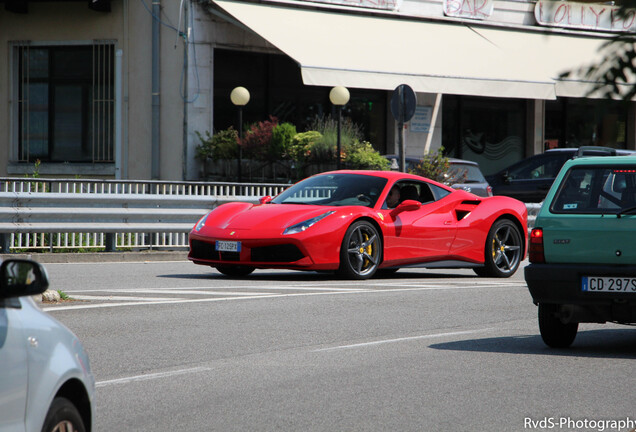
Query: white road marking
point(460, 283)
point(119, 298)
point(216, 287)
point(191, 291)
point(152, 376)
point(236, 297)
point(167, 374)
point(380, 342)
point(317, 288)
point(161, 302)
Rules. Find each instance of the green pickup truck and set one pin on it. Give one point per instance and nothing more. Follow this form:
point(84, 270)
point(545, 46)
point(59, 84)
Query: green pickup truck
point(583, 248)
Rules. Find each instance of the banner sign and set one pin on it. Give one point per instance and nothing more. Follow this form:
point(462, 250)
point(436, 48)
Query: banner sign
point(472, 9)
point(584, 16)
point(373, 4)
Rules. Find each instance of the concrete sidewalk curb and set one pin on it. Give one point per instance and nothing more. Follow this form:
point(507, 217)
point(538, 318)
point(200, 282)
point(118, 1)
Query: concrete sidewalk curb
point(101, 257)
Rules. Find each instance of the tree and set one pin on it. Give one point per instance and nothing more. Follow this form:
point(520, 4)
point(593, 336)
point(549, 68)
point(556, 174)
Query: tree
point(614, 77)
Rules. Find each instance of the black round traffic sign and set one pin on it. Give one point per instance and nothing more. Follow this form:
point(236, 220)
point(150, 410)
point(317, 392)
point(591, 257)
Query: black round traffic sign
point(403, 103)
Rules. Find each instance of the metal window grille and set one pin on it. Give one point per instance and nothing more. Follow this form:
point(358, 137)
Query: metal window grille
point(102, 110)
point(102, 100)
point(23, 100)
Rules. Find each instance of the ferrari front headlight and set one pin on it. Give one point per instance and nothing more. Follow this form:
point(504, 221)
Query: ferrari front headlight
point(201, 223)
point(302, 226)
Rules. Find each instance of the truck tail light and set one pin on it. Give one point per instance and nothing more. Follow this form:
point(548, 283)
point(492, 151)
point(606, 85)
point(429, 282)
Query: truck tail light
point(536, 246)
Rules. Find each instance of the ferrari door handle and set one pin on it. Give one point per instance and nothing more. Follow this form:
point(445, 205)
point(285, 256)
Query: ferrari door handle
point(448, 222)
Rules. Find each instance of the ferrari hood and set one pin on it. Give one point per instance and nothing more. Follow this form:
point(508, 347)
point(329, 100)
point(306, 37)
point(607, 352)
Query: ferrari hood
point(263, 216)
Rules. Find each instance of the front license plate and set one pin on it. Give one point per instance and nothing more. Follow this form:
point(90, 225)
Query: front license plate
point(228, 246)
point(608, 284)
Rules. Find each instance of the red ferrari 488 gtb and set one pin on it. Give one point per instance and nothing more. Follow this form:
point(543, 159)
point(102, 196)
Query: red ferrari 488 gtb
point(358, 222)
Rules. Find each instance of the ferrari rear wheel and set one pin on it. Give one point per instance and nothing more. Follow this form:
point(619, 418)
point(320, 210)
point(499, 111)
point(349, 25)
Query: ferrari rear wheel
point(234, 270)
point(361, 251)
point(503, 250)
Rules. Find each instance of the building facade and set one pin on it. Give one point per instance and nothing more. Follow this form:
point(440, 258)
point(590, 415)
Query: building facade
point(92, 93)
point(122, 88)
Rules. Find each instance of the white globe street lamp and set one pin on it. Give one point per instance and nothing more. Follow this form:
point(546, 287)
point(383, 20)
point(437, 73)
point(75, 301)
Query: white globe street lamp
point(339, 96)
point(240, 97)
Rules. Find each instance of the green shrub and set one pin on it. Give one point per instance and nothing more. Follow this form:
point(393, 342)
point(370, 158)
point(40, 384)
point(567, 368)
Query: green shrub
point(322, 151)
point(362, 155)
point(282, 141)
point(433, 166)
point(328, 127)
point(222, 145)
point(302, 145)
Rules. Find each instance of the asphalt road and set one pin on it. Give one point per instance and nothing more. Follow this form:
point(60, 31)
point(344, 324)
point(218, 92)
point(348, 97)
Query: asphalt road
point(176, 346)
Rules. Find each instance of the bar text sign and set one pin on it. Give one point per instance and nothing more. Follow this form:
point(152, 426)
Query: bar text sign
point(472, 9)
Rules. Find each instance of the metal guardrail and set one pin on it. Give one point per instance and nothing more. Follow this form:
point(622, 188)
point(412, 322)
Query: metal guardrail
point(152, 187)
point(37, 220)
point(63, 214)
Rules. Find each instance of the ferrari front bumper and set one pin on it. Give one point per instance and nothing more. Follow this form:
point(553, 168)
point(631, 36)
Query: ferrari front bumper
point(257, 253)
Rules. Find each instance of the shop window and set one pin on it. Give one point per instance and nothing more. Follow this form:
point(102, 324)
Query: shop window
point(65, 103)
point(584, 122)
point(489, 131)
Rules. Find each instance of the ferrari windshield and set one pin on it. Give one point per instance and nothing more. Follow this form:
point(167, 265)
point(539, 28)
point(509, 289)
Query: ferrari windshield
point(334, 190)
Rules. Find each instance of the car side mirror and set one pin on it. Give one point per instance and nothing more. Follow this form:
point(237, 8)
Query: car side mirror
point(407, 205)
point(265, 200)
point(20, 277)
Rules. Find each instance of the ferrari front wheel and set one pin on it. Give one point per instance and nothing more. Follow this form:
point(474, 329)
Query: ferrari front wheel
point(361, 251)
point(234, 270)
point(504, 246)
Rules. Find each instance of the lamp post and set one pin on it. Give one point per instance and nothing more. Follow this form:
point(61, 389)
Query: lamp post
point(240, 97)
point(339, 96)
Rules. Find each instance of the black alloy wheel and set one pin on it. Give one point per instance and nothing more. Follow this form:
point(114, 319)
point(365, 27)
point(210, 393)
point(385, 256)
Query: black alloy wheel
point(504, 246)
point(361, 251)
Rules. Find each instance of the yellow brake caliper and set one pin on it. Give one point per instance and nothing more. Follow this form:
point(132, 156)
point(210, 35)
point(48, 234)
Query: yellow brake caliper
point(368, 249)
point(501, 248)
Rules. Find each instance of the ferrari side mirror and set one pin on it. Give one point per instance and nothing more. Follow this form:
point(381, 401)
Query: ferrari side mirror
point(408, 205)
point(265, 200)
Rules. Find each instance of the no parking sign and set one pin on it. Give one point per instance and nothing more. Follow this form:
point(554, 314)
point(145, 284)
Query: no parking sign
point(403, 104)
